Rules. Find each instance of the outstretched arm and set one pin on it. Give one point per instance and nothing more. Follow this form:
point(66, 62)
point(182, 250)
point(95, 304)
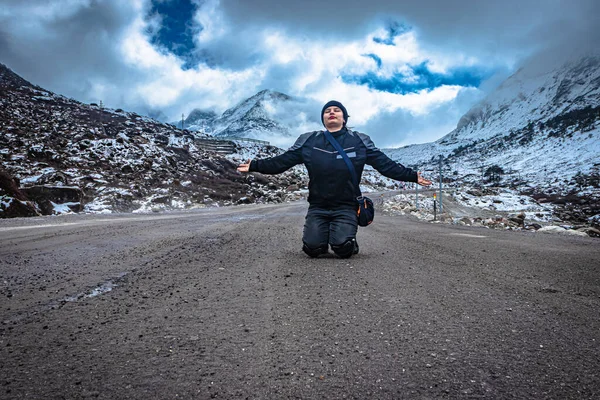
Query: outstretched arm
point(244, 167)
point(387, 167)
point(280, 163)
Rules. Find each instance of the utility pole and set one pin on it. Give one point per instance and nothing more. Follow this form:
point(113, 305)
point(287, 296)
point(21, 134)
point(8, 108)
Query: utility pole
point(441, 209)
point(417, 193)
point(182, 122)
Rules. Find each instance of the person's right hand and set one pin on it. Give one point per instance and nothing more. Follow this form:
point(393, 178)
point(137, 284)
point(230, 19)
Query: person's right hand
point(422, 181)
point(244, 167)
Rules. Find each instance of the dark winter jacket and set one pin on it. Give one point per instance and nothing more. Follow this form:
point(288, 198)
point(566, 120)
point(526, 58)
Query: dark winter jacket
point(330, 183)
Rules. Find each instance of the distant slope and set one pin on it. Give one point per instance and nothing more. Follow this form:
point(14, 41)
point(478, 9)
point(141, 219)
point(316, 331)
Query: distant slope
point(542, 126)
point(268, 115)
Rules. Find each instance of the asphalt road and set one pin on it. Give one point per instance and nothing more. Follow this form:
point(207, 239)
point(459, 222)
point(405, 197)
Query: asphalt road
point(222, 303)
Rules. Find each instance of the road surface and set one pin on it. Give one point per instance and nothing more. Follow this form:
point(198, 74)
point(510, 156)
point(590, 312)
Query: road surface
point(222, 303)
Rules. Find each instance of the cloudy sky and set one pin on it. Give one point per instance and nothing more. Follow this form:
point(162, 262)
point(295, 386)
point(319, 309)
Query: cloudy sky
point(405, 69)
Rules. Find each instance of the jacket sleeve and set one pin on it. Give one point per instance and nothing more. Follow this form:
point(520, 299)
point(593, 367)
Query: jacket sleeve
point(385, 165)
point(282, 162)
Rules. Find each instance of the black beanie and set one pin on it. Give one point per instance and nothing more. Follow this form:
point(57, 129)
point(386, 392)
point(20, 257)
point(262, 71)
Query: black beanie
point(336, 104)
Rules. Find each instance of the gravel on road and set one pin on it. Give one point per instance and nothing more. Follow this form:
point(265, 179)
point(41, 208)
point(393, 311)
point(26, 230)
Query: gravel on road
point(222, 303)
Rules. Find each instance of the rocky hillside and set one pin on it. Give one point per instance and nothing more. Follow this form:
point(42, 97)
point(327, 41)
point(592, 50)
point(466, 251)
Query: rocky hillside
point(59, 154)
point(538, 133)
point(538, 119)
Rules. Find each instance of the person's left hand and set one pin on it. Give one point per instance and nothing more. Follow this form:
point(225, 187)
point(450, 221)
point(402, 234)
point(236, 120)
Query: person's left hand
point(244, 167)
point(422, 181)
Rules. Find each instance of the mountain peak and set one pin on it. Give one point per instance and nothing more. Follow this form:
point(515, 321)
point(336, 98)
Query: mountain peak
point(266, 95)
point(257, 117)
point(200, 115)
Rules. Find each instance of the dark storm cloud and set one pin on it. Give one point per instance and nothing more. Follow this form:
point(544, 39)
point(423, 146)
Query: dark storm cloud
point(67, 51)
point(514, 28)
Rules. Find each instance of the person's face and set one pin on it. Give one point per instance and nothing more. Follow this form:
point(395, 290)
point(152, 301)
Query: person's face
point(333, 116)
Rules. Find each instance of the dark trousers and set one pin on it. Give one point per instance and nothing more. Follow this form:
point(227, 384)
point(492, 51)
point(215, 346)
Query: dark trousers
point(324, 227)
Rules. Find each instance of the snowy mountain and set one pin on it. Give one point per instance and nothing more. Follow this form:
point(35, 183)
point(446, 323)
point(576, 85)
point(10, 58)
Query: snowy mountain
point(198, 121)
point(541, 127)
point(268, 115)
point(254, 118)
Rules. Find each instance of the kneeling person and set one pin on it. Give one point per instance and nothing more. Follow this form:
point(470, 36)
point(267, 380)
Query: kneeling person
point(332, 219)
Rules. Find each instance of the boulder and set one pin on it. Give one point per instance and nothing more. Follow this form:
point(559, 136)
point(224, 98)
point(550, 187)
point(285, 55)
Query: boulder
point(475, 192)
point(55, 194)
point(593, 232)
point(444, 217)
point(161, 200)
point(13, 202)
point(47, 197)
point(514, 223)
point(518, 220)
point(465, 221)
point(534, 226)
point(244, 200)
point(14, 208)
point(161, 139)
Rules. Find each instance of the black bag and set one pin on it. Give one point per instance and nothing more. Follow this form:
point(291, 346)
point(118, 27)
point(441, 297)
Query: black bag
point(365, 210)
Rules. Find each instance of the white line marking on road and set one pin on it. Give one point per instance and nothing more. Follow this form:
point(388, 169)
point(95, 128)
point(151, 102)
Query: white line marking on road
point(19, 228)
point(95, 222)
point(467, 235)
point(235, 217)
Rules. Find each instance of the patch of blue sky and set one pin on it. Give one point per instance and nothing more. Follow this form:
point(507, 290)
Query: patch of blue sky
point(375, 57)
point(421, 79)
point(393, 29)
point(176, 34)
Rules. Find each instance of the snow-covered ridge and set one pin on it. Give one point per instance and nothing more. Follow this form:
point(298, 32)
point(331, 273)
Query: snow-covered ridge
point(268, 115)
point(532, 94)
point(541, 126)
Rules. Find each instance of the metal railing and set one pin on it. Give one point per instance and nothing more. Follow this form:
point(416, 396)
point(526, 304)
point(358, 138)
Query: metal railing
point(252, 140)
point(209, 139)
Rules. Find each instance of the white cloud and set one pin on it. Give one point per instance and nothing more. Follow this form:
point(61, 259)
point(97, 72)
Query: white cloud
point(321, 64)
point(212, 20)
point(364, 103)
point(164, 84)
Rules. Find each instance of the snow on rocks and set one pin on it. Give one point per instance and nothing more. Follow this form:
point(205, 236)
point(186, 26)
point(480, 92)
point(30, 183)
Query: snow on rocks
point(539, 130)
point(485, 207)
point(119, 161)
point(561, 230)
